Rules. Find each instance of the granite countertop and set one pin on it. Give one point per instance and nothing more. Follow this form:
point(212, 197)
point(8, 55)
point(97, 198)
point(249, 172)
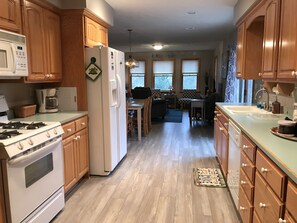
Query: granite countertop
point(62, 117)
point(282, 151)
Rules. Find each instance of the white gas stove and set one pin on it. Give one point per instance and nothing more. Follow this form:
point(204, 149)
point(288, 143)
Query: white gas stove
point(32, 169)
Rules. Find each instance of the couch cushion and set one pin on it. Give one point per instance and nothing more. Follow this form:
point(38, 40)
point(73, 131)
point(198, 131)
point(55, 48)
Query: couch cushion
point(156, 93)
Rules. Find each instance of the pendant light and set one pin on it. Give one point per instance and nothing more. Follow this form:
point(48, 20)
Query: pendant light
point(130, 62)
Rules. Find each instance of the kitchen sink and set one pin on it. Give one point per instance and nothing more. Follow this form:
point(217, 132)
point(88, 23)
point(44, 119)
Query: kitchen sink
point(243, 109)
point(252, 112)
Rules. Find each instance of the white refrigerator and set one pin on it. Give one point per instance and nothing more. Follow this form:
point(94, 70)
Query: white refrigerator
point(106, 110)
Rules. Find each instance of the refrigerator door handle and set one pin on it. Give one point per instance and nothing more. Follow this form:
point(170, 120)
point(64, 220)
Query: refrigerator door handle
point(119, 90)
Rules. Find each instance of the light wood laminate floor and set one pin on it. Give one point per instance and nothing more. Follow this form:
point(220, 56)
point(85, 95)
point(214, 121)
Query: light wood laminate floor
point(154, 183)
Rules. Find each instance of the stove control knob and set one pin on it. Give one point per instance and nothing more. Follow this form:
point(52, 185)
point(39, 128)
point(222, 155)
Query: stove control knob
point(20, 146)
point(48, 135)
point(55, 131)
point(30, 142)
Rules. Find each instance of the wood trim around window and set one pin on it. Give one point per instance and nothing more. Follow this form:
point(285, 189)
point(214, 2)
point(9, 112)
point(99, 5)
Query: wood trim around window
point(198, 74)
point(173, 75)
point(130, 76)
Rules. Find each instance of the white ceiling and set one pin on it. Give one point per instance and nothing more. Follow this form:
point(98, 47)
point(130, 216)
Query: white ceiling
point(177, 24)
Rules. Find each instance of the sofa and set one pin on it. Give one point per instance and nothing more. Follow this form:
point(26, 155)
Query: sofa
point(159, 105)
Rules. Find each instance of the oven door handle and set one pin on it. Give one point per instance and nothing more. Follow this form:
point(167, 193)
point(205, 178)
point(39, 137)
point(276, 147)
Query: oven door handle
point(25, 159)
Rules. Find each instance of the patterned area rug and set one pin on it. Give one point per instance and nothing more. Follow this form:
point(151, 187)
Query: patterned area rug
point(208, 177)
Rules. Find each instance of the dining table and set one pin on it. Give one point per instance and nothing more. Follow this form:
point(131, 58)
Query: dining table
point(197, 103)
point(136, 105)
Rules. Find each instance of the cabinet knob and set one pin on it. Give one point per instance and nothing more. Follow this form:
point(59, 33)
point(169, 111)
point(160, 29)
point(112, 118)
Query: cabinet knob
point(226, 124)
point(215, 119)
point(69, 130)
point(216, 112)
point(219, 115)
point(260, 74)
point(293, 73)
point(281, 220)
point(245, 146)
point(77, 138)
point(242, 182)
point(239, 74)
point(242, 208)
point(221, 129)
point(243, 165)
point(47, 76)
point(262, 205)
point(83, 124)
point(264, 170)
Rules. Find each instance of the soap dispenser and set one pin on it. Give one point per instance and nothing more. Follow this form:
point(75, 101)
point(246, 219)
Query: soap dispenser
point(275, 106)
point(295, 112)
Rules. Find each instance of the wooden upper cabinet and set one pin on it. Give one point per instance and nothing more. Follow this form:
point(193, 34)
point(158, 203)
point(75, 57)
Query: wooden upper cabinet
point(271, 27)
point(287, 60)
point(95, 34)
point(239, 51)
point(42, 28)
point(10, 15)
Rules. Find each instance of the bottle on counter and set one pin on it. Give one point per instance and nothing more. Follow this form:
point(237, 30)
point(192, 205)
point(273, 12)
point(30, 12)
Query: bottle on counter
point(295, 112)
point(276, 106)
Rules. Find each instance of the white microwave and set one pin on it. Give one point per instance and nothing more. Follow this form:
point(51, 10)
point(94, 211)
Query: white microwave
point(13, 55)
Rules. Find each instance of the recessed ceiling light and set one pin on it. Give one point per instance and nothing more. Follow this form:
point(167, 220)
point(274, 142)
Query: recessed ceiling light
point(190, 28)
point(191, 13)
point(157, 46)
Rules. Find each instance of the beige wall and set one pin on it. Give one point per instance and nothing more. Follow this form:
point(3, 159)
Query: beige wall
point(241, 7)
point(206, 58)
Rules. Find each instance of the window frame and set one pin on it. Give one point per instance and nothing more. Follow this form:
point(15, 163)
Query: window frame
point(173, 74)
point(182, 76)
point(145, 73)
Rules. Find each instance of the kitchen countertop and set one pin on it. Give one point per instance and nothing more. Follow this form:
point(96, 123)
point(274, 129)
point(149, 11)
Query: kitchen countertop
point(282, 151)
point(62, 117)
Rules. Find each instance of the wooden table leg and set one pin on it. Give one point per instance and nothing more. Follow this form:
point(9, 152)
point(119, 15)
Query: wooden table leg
point(139, 123)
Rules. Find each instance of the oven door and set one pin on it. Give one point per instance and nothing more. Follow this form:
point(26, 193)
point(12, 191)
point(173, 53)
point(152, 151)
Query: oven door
point(33, 178)
point(7, 59)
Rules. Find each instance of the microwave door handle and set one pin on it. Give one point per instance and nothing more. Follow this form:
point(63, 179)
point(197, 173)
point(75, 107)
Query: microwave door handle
point(13, 53)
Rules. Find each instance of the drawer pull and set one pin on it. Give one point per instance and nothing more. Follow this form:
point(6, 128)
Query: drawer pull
point(83, 124)
point(221, 129)
point(245, 146)
point(244, 165)
point(69, 130)
point(242, 182)
point(264, 170)
point(242, 208)
point(293, 73)
point(215, 119)
point(77, 138)
point(219, 115)
point(281, 220)
point(262, 205)
point(216, 112)
point(226, 124)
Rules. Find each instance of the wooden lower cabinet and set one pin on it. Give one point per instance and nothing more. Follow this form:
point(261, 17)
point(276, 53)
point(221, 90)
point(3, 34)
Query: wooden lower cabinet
point(76, 153)
point(267, 205)
point(245, 208)
point(291, 202)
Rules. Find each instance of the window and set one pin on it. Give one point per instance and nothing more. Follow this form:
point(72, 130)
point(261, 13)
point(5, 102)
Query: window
point(138, 75)
point(163, 74)
point(190, 71)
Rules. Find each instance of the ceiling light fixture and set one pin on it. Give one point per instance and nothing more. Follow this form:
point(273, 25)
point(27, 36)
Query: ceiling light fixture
point(158, 46)
point(130, 62)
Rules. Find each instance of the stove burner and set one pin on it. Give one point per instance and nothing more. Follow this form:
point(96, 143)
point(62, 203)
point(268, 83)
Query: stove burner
point(14, 125)
point(35, 125)
point(8, 134)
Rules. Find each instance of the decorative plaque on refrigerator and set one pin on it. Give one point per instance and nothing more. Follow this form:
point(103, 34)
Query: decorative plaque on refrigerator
point(93, 71)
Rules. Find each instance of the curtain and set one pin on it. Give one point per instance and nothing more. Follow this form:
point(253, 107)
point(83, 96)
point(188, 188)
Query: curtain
point(232, 93)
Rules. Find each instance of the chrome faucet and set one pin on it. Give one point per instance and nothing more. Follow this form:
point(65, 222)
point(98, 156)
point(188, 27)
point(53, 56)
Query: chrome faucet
point(267, 102)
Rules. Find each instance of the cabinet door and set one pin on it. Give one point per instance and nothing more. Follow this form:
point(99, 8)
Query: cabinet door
point(216, 135)
point(10, 15)
point(53, 45)
point(269, 57)
point(224, 150)
point(36, 47)
point(92, 34)
point(288, 41)
point(70, 169)
point(103, 32)
point(82, 152)
point(240, 51)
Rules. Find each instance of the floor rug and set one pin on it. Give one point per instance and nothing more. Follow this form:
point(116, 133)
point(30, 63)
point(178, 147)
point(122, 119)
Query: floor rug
point(208, 177)
point(172, 115)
